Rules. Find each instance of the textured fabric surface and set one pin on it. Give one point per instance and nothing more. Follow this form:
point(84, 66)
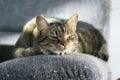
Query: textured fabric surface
point(43, 67)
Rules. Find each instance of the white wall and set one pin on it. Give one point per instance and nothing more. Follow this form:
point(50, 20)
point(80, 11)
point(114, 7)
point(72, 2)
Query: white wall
point(114, 40)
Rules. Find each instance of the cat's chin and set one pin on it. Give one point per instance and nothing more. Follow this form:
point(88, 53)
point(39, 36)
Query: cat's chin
point(54, 51)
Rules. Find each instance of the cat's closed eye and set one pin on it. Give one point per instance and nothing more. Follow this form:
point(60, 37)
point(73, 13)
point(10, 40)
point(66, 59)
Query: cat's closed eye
point(56, 38)
point(53, 40)
point(71, 38)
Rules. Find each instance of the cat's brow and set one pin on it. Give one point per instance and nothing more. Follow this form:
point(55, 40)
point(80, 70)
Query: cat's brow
point(62, 29)
point(59, 27)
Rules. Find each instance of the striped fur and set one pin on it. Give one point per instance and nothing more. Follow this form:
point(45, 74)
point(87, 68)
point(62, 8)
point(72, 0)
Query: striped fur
point(60, 38)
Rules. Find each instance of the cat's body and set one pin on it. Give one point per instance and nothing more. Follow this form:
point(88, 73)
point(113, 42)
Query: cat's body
point(56, 36)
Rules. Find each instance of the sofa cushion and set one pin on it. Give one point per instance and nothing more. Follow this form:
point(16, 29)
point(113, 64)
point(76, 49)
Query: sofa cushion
point(43, 67)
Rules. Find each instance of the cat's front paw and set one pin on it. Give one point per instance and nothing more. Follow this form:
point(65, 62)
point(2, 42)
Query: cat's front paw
point(19, 52)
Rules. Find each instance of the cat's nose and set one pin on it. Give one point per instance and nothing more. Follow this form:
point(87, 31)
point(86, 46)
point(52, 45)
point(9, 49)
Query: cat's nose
point(63, 46)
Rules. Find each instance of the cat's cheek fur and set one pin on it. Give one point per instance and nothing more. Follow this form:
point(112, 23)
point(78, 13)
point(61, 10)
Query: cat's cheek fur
point(47, 49)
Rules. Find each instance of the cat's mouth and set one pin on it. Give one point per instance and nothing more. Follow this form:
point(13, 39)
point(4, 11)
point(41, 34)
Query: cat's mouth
point(53, 51)
point(60, 53)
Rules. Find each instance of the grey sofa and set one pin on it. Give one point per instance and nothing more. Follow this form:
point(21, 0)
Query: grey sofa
point(70, 67)
point(15, 13)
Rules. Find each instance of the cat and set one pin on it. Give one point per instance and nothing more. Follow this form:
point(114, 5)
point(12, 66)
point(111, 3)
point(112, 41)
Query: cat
point(45, 35)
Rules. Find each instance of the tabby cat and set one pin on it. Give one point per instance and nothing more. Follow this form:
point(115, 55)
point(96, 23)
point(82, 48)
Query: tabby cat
point(44, 35)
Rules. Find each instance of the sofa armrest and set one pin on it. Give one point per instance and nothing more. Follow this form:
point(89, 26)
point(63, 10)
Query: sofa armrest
point(50, 67)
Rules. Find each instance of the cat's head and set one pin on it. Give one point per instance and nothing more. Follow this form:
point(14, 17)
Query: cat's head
point(57, 37)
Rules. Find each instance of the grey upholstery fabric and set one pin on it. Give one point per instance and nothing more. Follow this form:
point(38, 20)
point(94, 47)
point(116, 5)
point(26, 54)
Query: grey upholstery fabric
point(43, 67)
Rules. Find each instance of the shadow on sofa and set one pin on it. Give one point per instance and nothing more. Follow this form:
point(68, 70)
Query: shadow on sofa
point(6, 52)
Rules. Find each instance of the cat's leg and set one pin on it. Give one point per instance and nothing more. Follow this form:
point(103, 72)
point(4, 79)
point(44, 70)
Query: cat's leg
point(22, 52)
point(103, 53)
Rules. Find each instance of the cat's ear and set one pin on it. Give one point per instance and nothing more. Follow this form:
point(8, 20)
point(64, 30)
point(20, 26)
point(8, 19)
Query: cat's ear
point(41, 23)
point(72, 22)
